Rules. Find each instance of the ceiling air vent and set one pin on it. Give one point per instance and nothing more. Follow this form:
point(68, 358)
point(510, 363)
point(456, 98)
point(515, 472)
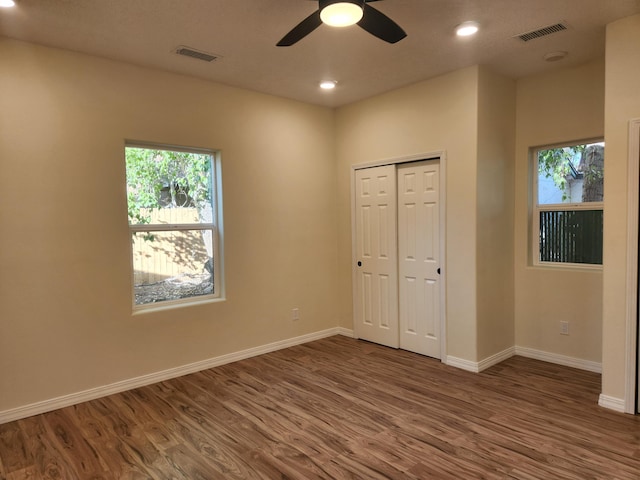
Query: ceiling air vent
point(542, 32)
point(198, 55)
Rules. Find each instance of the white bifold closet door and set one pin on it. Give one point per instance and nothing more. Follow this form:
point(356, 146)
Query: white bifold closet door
point(398, 253)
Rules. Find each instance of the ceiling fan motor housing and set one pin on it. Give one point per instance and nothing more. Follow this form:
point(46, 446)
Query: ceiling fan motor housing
point(326, 3)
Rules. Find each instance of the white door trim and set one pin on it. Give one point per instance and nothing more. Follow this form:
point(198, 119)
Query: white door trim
point(437, 155)
point(633, 198)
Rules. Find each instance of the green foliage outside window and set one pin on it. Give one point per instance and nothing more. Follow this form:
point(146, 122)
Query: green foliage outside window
point(166, 179)
point(556, 163)
point(562, 163)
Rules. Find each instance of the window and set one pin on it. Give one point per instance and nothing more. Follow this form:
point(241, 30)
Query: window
point(568, 204)
point(173, 198)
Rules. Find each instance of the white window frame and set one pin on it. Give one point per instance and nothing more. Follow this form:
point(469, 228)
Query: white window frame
point(216, 228)
point(537, 208)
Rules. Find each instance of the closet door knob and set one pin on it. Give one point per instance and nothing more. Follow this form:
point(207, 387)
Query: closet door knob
point(359, 263)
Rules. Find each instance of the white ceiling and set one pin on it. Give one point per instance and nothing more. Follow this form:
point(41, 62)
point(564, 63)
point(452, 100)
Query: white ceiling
point(244, 34)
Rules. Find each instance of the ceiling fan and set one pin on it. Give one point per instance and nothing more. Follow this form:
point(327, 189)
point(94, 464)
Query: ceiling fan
point(342, 13)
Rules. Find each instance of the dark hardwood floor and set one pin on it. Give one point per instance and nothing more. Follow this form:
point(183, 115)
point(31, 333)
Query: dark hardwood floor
point(336, 408)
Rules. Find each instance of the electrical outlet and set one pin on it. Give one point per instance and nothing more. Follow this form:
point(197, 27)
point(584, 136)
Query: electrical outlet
point(295, 314)
point(564, 328)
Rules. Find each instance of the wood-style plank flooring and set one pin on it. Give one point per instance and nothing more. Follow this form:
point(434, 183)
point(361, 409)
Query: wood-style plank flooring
point(336, 408)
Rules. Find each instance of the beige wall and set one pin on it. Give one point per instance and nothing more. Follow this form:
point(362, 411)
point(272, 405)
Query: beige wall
point(494, 212)
point(469, 114)
point(622, 104)
point(65, 285)
point(561, 106)
point(436, 115)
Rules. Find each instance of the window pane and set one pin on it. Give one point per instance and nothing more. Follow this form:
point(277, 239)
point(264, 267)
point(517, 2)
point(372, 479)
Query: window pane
point(166, 186)
point(172, 265)
point(571, 236)
point(573, 174)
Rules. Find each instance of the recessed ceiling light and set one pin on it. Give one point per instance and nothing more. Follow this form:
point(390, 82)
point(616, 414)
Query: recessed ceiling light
point(7, 3)
point(466, 29)
point(328, 84)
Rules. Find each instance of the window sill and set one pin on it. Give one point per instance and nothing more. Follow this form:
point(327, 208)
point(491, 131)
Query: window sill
point(173, 304)
point(574, 267)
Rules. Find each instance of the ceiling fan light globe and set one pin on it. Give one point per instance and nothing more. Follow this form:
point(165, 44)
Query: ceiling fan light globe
point(341, 14)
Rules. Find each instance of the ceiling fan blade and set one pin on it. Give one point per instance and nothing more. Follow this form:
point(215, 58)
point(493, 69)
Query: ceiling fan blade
point(381, 26)
point(301, 30)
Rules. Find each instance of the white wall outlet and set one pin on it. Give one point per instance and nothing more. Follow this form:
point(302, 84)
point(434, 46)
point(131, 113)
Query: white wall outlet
point(564, 328)
point(295, 314)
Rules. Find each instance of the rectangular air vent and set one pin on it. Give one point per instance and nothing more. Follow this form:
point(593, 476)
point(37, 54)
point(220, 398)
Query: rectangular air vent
point(198, 55)
point(542, 32)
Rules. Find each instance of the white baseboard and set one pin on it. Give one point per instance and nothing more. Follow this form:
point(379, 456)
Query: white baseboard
point(477, 367)
point(524, 352)
point(497, 358)
point(559, 359)
point(462, 364)
point(345, 332)
point(98, 392)
point(612, 403)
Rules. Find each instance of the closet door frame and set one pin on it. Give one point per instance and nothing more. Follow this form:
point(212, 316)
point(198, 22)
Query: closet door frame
point(437, 155)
